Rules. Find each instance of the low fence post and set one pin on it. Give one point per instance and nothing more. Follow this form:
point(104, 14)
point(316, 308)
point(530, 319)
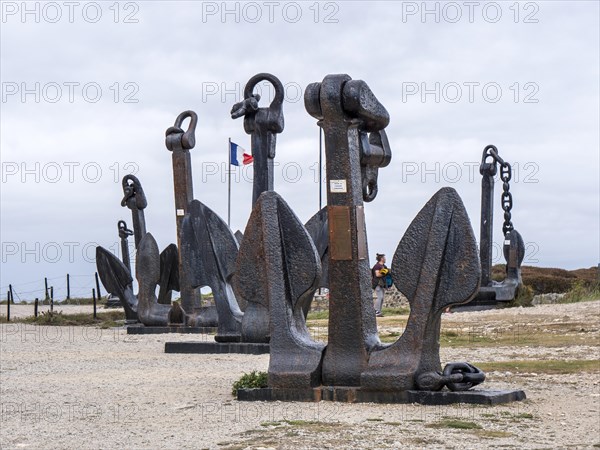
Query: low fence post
point(94, 299)
point(68, 287)
point(97, 286)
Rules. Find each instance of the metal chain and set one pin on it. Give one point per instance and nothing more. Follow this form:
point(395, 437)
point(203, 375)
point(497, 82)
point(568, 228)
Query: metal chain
point(506, 197)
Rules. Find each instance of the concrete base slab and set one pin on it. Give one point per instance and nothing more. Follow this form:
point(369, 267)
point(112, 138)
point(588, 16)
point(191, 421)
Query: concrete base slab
point(357, 395)
point(216, 347)
point(141, 329)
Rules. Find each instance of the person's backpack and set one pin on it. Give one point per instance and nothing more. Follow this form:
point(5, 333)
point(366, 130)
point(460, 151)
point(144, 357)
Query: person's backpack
point(388, 280)
point(384, 282)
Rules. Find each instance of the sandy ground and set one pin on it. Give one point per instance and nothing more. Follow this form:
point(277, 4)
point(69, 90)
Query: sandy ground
point(84, 387)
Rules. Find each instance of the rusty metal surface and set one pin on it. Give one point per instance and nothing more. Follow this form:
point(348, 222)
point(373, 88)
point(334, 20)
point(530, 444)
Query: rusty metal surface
point(276, 274)
point(239, 236)
point(251, 282)
point(180, 142)
point(457, 376)
point(436, 266)
point(209, 250)
point(116, 278)
point(135, 199)
point(147, 271)
point(291, 268)
point(116, 275)
point(491, 291)
point(124, 234)
point(347, 111)
point(318, 229)
point(263, 125)
point(361, 229)
point(169, 274)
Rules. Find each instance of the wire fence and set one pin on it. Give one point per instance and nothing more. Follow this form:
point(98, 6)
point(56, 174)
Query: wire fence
point(60, 288)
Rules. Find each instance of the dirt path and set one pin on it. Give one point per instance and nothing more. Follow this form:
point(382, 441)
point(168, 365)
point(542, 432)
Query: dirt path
point(82, 387)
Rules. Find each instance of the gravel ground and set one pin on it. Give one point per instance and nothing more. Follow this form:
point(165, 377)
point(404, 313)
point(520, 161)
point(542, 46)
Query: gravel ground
point(84, 387)
point(19, 311)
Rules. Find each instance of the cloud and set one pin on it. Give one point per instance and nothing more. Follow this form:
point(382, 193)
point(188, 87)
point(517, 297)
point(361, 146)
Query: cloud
point(178, 56)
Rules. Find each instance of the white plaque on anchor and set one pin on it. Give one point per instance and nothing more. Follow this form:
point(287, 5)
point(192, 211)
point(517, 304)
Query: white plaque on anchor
point(337, 186)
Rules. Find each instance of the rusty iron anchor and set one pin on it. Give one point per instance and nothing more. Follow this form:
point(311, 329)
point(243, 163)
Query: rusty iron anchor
point(493, 292)
point(180, 142)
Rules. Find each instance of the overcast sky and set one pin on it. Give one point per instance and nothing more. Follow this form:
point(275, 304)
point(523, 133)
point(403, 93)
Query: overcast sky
point(88, 91)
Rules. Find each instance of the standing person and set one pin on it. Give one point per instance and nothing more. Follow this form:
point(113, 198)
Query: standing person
point(378, 273)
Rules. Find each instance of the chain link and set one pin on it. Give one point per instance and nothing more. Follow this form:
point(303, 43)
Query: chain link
point(506, 197)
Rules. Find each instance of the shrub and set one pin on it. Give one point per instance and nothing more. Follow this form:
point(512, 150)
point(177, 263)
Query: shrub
point(524, 296)
point(250, 380)
point(547, 280)
point(582, 291)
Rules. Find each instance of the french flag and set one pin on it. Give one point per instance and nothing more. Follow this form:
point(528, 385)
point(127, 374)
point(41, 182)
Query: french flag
point(239, 155)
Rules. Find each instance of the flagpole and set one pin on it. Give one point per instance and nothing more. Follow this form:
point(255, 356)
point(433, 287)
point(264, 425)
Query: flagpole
point(229, 185)
point(320, 176)
point(320, 168)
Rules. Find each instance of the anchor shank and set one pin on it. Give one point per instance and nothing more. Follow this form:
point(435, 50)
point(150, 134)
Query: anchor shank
point(486, 232)
point(139, 225)
point(179, 142)
point(125, 253)
point(352, 327)
point(183, 186)
point(263, 144)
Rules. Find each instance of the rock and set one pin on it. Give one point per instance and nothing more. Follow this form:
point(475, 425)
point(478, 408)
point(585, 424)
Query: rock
point(547, 299)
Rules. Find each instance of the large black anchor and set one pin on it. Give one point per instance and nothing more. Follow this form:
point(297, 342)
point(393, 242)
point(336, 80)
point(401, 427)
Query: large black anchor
point(116, 275)
point(180, 142)
point(135, 199)
point(492, 292)
point(207, 247)
point(262, 124)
